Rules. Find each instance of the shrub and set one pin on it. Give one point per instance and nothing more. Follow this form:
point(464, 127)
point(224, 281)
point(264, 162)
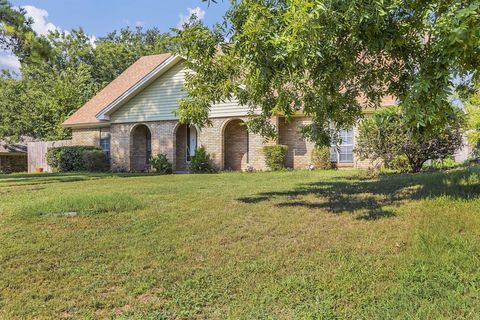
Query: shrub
point(387, 135)
point(201, 162)
point(77, 158)
point(275, 156)
point(160, 164)
point(95, 160)
point(320, 158)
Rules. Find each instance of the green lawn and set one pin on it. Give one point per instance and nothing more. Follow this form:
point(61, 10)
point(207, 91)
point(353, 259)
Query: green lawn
point(314, 245)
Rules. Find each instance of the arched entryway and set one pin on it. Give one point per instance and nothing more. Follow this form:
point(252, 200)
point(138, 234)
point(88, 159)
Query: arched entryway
point(235, 145)
point(186, 144)
point(140, 148)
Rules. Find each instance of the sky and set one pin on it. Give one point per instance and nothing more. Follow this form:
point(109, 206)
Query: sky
point(99, 17)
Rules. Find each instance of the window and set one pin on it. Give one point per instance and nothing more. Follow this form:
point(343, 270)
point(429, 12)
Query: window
point(342, 152)
point(191, 141)
point(105, 143)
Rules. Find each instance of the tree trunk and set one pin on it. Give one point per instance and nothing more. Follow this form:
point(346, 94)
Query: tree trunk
point(416, 165)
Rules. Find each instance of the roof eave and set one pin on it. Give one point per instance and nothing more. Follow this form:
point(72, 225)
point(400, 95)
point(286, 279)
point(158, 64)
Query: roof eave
point(102, 124)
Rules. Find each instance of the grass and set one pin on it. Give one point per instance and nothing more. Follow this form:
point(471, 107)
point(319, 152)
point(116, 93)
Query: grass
point(288, 245)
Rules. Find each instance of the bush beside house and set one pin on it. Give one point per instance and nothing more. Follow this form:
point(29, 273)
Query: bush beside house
point(321, 158)
point(201, 162)
point(275, 156)
point(160, 164)
point(77, 158)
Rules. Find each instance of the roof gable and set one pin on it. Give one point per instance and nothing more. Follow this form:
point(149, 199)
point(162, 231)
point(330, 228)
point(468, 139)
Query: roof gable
point(141, 69)
point(139, 87)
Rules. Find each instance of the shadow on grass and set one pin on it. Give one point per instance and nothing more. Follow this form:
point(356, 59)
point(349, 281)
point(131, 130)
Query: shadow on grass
point(26, 179)
point(375, 198)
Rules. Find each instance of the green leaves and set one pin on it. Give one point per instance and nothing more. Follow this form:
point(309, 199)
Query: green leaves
point(330, 59)
point(387, 136)
point(53, 87)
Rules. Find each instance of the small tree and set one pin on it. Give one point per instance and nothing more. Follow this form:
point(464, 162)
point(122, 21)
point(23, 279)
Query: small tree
point(387, 136)
point(473, 111)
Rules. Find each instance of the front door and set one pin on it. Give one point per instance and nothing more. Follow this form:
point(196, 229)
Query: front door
point(191, 141)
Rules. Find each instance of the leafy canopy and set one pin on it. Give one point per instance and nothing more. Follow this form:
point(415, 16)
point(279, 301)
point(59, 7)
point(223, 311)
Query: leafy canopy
point(331, 58)
point(473, 110)
point(16, 34)
point(386, 136)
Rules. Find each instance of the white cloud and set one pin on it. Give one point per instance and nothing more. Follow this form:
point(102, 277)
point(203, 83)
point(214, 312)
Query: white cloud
point(42, 27)
point(139, 24)
point(184, 18)
point(39, 16)
point(92, 40)
point(9, 61)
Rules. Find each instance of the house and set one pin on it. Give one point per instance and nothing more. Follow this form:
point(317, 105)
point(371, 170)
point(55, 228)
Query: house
point(133, 118)
point(13, 157)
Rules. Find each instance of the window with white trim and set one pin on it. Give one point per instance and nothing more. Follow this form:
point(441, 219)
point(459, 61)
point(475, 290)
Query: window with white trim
point(105, 143)
point(342, 151)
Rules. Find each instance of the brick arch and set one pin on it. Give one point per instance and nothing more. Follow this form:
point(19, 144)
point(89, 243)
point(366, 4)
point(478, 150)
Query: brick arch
point(180, 145)
point(235, 145)
point(140, 147)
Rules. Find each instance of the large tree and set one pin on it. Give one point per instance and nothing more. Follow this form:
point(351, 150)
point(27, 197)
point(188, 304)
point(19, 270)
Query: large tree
point(51, 88)
point(119, 49)
point(331, 58)
point(16, 34)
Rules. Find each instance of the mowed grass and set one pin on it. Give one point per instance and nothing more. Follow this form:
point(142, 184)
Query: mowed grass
point(288, 245)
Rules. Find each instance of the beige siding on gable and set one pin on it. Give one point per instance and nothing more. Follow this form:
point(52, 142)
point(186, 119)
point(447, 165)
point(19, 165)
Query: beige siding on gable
point(159, 101)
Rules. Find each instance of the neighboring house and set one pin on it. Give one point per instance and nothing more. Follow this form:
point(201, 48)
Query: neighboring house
point(13, 157)
point(133, 118)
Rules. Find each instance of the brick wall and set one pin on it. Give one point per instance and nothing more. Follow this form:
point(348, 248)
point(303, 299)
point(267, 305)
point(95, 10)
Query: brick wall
point(224, 140)
point(212, 138)
point(162, 137)
point(299, 150)
point(86, 137)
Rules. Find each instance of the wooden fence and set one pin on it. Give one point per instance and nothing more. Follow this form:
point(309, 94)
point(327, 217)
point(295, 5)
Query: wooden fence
point(37, 153)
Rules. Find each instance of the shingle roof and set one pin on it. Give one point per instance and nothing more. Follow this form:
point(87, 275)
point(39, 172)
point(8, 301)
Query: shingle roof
point(20, 147)
point(127, 79)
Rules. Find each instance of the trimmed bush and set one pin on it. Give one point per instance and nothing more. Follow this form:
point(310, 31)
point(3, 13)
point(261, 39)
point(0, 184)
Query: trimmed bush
point(77, 158)
point(95, 160)
point(275, 156)
point(201, 162)
point(161, 164)
point(320, 158)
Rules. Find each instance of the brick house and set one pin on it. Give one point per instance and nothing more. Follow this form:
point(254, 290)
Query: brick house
point(133, 118)
point(13, 157)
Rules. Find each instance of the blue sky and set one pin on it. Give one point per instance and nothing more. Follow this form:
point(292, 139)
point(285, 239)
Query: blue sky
point(98, 17)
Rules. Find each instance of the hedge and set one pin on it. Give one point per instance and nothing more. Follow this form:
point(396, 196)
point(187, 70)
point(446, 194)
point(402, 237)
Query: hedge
point(77, 158)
